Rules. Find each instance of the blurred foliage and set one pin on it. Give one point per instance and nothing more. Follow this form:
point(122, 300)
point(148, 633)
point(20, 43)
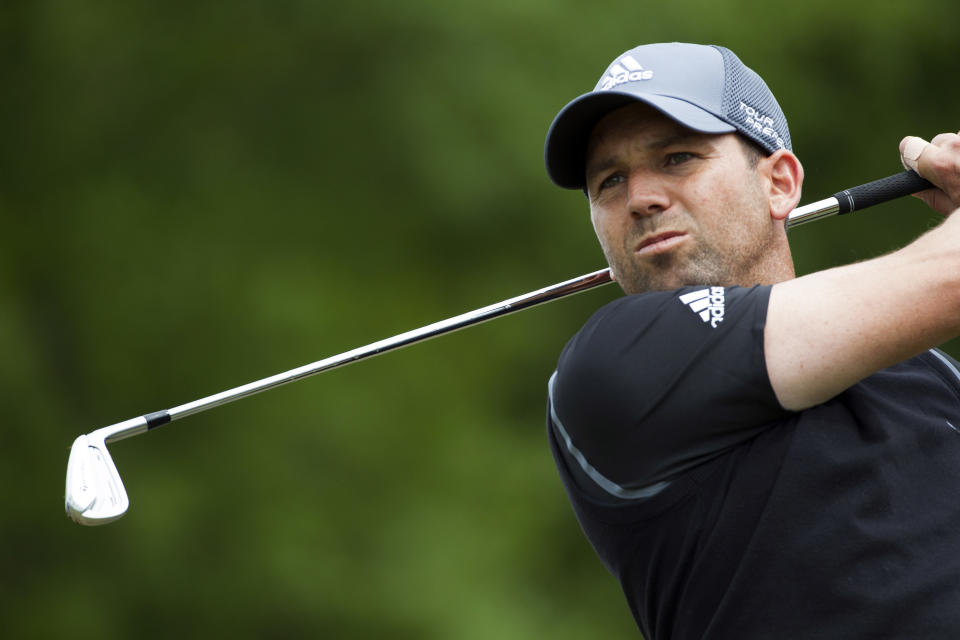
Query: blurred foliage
point(199, 194)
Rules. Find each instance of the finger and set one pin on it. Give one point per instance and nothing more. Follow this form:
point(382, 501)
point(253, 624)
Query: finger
point(946, 140)
point(911, 148)
point(937, 200)
point(940, 164)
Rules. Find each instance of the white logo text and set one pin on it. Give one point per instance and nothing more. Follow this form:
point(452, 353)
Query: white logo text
point(626, 69)
point(762, 124)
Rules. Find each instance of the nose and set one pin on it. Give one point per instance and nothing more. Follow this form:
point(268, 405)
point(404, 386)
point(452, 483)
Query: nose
point(646, 195)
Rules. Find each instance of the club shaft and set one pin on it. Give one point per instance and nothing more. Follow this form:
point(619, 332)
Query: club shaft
point(442, 327)
point(136, 426)
point(843, 202)
point(813, 211)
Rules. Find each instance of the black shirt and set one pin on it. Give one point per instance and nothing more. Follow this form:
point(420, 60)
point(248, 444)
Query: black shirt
point(724, 515)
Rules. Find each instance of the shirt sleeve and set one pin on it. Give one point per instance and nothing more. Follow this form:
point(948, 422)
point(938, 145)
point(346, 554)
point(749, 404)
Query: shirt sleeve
point(657, 383)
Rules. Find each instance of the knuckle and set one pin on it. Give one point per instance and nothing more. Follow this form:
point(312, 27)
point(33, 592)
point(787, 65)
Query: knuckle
point(941, 163)
point(947, 141)
point(946, 166)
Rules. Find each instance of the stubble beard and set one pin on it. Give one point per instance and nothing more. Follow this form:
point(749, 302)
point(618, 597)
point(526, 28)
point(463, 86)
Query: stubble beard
point(720, 260)
point(700, 264)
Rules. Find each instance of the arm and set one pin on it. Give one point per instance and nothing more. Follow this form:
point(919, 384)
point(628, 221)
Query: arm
point(828, 330)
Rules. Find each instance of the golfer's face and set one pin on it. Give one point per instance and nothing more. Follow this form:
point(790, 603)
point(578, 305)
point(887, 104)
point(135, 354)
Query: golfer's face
point(672, 206)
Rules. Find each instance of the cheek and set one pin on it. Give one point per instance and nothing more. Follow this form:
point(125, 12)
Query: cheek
point(600, 224)
point(725, 205)
point(609, 232)
point(736, 220)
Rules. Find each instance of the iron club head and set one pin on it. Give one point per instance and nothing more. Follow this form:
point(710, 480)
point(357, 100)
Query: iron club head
point(94, 491)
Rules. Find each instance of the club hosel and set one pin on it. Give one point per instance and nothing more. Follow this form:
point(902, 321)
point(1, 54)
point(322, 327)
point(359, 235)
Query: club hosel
point(121, 430)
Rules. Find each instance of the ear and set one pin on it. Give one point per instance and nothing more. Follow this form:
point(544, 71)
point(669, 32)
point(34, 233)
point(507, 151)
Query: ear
point(784, 175)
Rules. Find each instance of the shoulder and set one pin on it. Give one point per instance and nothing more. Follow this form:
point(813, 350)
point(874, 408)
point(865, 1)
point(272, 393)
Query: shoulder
point(667, 354)
point(660, 381)
point(664, 324)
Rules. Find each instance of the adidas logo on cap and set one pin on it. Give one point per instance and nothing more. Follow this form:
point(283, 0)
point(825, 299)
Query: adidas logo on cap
point(709, 304)
point(626, 69)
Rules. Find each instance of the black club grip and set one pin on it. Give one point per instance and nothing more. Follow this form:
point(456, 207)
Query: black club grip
point(889, 188)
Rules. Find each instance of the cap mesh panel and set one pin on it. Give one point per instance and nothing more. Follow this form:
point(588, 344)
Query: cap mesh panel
point(742, 85)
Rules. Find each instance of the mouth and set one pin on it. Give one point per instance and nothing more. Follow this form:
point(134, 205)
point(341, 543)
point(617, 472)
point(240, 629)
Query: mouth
point(660, 242)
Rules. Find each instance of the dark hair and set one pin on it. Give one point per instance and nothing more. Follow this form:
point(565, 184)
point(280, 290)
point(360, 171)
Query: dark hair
point(752, 151)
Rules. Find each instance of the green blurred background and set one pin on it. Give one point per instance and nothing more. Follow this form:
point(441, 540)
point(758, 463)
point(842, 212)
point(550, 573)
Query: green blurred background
point(199, 194)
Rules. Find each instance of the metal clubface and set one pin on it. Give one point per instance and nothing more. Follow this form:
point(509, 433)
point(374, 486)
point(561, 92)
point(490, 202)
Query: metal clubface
point(95, 493)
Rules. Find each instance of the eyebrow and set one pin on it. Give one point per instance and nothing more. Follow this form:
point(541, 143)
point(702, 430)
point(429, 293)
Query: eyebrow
point(686, 136)
point(663, 143)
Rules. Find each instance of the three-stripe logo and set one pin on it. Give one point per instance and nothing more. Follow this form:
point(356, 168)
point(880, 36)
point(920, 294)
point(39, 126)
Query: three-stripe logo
point(626, 69)
point(709, 304)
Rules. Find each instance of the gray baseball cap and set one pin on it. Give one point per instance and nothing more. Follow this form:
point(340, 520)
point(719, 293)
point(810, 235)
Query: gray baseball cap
point(704, 87)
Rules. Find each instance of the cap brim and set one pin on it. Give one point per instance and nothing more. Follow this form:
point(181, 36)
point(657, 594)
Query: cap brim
point(565, 151)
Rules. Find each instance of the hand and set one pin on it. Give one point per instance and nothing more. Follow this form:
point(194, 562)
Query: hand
point(939, 162)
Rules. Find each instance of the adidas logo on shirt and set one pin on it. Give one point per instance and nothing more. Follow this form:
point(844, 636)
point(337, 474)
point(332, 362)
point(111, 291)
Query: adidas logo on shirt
point(707, 303)
point(626, 69)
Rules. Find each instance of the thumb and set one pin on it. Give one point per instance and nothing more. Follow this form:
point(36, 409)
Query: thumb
point(911, 148)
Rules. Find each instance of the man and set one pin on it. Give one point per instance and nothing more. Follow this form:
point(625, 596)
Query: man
point(754, 455)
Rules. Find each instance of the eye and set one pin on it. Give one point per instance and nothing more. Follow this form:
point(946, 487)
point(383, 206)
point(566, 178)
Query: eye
point(679, 157)
point(609, 181)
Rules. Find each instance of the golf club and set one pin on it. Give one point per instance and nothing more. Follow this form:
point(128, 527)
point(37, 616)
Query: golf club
point(95, 494)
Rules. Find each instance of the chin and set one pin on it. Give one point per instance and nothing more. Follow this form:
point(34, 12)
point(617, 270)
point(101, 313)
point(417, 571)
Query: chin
point(660, 281)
